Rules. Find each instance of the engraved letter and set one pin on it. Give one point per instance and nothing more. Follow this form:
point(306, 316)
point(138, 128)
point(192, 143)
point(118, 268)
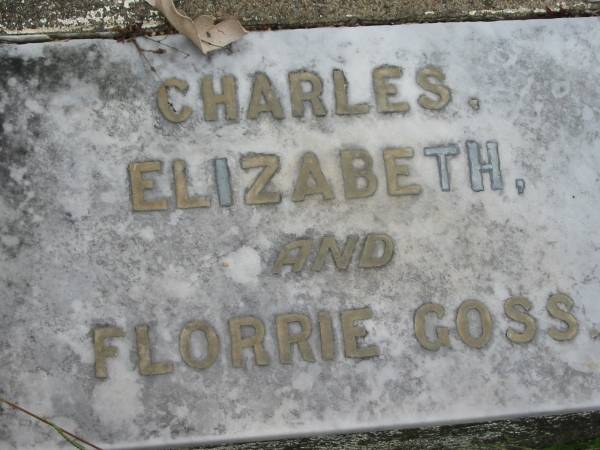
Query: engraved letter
point(212, 344)
point(341, 259)
point(310, 169)
point(441, 333)
point(368, 257)
point(440, 90)
point(182, 198)
point(393, 171)
point(352, 175)
point(163, 101)
point(293, 254)
point(352, 332)
point(102, 351)
point(145, 364)
point(223, 182)
point(255, 341)
point(441, 153)
point(139, 184)
point(565, 334)
point(517, 308)
point(256, 194)
point(228, 98)
point(342, 107)
point(326, 332)
point(299, 96)
point(262, 89)
point(462, 323)
point(477, 167)
point(285, 339)
point(385, 90)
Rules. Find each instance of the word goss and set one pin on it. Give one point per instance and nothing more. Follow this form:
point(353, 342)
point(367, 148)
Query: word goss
point(249, 338)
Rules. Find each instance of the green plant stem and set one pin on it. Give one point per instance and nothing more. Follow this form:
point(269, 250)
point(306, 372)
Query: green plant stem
point(69, 437)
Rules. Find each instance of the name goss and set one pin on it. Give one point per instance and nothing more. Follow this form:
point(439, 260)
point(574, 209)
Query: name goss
point(248, 336)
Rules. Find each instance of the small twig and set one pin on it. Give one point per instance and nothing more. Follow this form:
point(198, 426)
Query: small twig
point(158, 51)
point(160, 42)
point(141, 51)
point(64, 433)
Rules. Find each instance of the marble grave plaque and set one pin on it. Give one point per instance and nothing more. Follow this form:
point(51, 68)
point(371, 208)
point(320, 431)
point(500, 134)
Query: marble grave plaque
point(316, 231)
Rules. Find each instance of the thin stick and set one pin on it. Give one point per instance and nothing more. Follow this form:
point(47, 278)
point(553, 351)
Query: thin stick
point(71, 441)
point(141, 51)
point(160, 42)
point(47, 422)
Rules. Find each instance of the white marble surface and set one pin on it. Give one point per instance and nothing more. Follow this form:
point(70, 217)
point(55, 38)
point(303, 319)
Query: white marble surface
point(73, 255)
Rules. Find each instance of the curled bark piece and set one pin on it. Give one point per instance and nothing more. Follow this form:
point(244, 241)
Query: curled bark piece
point(202, 30)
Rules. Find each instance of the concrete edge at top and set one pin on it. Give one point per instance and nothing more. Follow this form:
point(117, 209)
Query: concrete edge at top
point(47, 20)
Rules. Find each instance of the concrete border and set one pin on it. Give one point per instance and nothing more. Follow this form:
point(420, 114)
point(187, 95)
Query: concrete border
point(44, 20)
point(577, 429)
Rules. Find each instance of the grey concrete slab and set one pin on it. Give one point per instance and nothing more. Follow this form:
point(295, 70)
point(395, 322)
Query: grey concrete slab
point(477, 164)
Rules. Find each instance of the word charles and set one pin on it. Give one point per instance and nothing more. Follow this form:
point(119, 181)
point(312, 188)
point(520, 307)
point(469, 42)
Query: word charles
point(306, 89)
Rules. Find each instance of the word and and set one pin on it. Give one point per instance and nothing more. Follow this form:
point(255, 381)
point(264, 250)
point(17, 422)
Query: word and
point(305, 89)
point(558, 306)
point(246, 334)
point(377, 251)
point(356, 166)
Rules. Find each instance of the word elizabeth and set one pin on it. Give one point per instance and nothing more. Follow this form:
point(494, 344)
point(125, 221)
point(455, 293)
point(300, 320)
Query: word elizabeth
point(359, 179)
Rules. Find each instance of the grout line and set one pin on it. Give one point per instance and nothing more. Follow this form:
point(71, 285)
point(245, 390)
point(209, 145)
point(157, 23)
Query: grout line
point(152, 28)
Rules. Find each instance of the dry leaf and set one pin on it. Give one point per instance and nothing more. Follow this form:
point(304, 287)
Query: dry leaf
point(202, 30)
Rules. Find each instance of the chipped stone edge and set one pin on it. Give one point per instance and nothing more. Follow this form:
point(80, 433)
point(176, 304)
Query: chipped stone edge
point(118, 26)
point(525, 433)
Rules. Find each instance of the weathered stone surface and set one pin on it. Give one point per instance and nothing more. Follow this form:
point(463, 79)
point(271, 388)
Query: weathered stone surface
point(55, 17)
point(579, 430)
point(76, 257)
